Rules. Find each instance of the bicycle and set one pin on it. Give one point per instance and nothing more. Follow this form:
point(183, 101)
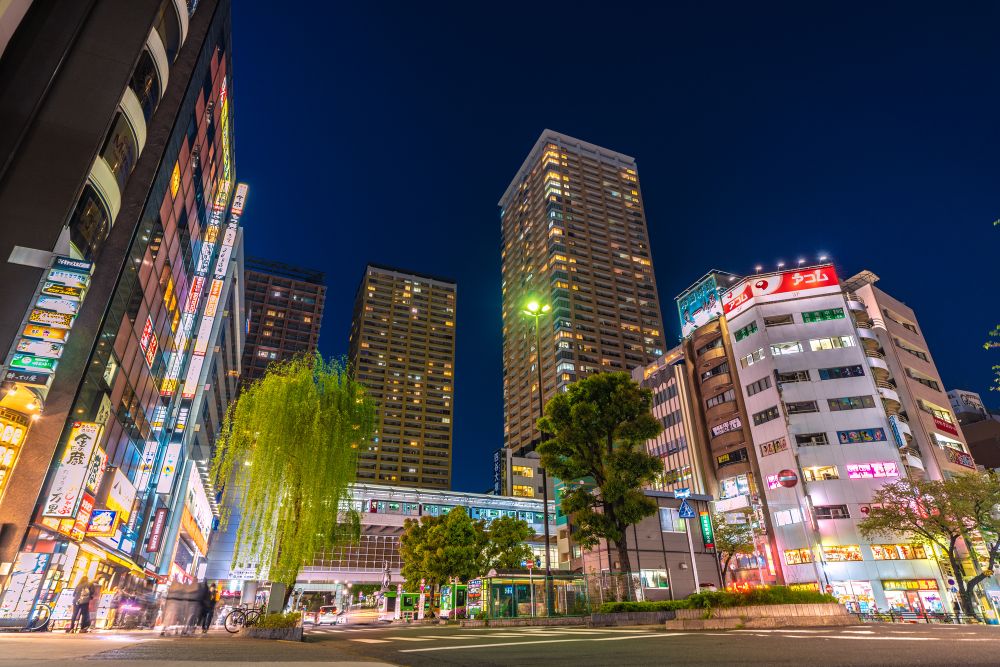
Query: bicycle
point(242, 617)
point(39, 619)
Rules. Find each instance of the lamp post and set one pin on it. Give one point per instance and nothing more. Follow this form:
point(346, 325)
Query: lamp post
point(536, 310)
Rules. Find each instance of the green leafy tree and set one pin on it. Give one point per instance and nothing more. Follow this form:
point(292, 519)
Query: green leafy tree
point(949, 514)
point(506, 546)
point(733, 539)
point(599, 430)
point(287, 455)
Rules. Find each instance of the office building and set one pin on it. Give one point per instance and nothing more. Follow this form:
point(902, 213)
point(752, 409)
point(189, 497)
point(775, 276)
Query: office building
point(910, 382)
point(574, 238)
point(284, 305)
point(402, 348)
point(519, 475)
point(980, 427)
point(116, 260)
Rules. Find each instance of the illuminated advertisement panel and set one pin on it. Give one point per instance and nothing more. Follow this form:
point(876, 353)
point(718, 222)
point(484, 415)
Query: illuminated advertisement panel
point(699, 305)
point(67, 485)
point(212, 304)
point(742, 295)
point(875, 470)
point(169, 469)
point(146, 465)
point(148, 343)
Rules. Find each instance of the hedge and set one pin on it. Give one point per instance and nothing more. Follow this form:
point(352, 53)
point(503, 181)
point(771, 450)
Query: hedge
point(278, 621)
point(710, 599)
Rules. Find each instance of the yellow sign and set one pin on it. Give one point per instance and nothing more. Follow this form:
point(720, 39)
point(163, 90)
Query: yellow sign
point(39, 316)
point(45, 333)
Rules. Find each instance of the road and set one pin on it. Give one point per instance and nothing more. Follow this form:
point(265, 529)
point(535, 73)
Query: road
point(437, 646)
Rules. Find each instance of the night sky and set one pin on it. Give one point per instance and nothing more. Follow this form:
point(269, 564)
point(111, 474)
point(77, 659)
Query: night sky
point(386, 132)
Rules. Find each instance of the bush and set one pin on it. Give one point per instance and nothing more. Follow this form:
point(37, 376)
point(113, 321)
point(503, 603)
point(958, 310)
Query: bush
point(713, 599)
point(278, 621)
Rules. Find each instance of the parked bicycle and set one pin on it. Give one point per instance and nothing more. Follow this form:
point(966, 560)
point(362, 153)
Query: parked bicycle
point(243, 616)
point(39, 619)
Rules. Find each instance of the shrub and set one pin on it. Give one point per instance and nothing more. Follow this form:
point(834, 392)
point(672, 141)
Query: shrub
point(626, 607)
point(278, 621)
point(712, 599)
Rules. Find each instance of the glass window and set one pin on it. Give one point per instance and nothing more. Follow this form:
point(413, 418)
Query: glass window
point(801, 407)
point(145, 84)
point(523, 491)
point(670, 520)
point(522, 471)
point(822, 315)
point(832, 512)
point(842, 553)
point(831, 343)
point(752, 358)
point(838, 372)
point(758, 386)
point(811, 439)
point(778, 320)
point(793, 347)
point(820, 473)
point(766, 415)
point(850, 403)
point(724, 397)
point(793, 376)
point(90, 224)
point(169, 30)
point(121, 149)
point(654, 579)
point(898, 551)
point(798, 556)
point(716, 370)
point(732, 458)
point(787, 517)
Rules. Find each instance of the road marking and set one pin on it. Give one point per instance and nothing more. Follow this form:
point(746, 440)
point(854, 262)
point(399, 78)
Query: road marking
point(409, 639)
point(541, 641)
point(861, 632)
point(370, 641)
point(892, 639)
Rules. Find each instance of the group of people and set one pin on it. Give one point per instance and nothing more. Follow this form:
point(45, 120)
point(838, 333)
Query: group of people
point(83, 595)
point(189, 606)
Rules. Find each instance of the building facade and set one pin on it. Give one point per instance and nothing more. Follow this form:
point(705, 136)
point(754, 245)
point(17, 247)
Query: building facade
point(402, 349)
point(573, 237)
point(284, 306)
point(118, 256)
point(519, 475)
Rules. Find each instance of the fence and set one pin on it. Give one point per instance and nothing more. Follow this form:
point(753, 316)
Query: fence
point(526, 595)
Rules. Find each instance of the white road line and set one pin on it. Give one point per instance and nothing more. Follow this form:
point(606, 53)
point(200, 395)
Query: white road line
point(860, 632)
point(891, 639)
point(370, 641)
point(541, 641)
point(409, 639)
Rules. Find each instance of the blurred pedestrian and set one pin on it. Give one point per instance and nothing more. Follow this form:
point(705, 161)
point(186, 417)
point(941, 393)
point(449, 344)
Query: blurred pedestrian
point(81, 605)
point(206, 596)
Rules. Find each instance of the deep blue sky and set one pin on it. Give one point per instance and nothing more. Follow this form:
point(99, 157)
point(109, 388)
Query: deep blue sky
point(383, 132)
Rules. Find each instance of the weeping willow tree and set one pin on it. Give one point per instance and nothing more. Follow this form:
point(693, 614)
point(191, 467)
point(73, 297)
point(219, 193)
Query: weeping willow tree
point(287, 455)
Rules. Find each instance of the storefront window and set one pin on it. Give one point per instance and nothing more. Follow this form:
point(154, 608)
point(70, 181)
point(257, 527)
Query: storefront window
point(798, 556)
point(858, 596)
point(842, 553)
point(121, 149)
point(898, 551)
point(819, 473)
point(90, 224)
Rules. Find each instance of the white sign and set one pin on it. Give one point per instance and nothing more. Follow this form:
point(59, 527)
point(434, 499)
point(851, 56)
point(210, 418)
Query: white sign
point(122, 495)
point(169, 469)
point(682, 493)
point(732, 504)
point(146, 466)
point(67, 485)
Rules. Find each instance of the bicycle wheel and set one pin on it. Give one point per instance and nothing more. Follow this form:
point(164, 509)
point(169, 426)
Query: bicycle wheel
point(235, 620)
point(39, 619)
point(253, 617)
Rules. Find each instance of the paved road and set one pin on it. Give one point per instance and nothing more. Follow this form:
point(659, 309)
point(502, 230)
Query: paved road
point(364, 646)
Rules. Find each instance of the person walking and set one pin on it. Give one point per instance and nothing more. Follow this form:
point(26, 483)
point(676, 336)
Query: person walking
point(206, 595)
point(81, 606)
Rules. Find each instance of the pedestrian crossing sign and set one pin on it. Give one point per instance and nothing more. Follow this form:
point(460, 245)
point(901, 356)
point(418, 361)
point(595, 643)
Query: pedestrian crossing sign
point(686, 511)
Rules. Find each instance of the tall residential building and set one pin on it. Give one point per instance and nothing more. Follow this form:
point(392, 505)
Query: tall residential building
point(402, 348)
point(909, 379)
point(119, 215)
point(284, 305)
point(574, 237)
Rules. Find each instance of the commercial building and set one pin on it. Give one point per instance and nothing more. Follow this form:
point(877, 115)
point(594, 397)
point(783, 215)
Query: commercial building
point(117, 260)
point(800, 425)
point(910, 383)
point(574, 238)
point(519, 475)
point(967, 406)
point(980, 427)
point(402, 348)
point(284, 306)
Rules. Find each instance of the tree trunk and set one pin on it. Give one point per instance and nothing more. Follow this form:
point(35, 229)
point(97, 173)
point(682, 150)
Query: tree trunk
point(625, 567)
point(725, 569)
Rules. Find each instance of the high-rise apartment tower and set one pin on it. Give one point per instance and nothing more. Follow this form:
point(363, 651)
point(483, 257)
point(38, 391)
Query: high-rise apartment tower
point(402, 348)
point(574, 238)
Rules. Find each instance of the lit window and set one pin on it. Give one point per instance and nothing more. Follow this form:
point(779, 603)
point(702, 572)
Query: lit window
point(798, 556)
point(839, 554)
point(523, 491)
point(820, 473)
point(832, 343)
point(523, 471)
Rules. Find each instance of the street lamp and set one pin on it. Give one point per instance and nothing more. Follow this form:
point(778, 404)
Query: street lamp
point(535, 310)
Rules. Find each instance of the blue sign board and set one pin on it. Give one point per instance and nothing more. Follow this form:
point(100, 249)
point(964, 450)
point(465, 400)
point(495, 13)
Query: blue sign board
point(686, 511)
point(682, 493)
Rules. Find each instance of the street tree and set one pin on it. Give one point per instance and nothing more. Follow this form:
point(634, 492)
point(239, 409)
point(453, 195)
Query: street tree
point(733, 539)
point(952, 515)
point(598, 430)
point(287, 455)
point(506, 545)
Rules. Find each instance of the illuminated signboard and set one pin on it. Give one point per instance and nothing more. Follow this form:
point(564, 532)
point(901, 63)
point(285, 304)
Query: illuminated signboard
point(743, 294)
point(212, 304)
point(156, 531)
point(148, 343)
point(191, 381)
point(861, 435)
point(194, 296)
point(96, 471)
point(35, 378)
point(773, 447)
point(725, 427)
point(45, 333)
point(57, 289)
point(67, 484)
point(204, 334)
point(79, 528)
point(40, 348)
point(39, 316)
point(699, 305)
point(58, 304)
point(146, 465)
point(875, 470)
point(121, 497)
point(239, 198)
point(103, 523)
point(772, 482)
point(169, 468)
point(30, 362)
point(961, 458)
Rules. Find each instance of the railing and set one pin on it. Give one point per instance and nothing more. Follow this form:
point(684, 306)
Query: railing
point(915, 617)
point(874, 354)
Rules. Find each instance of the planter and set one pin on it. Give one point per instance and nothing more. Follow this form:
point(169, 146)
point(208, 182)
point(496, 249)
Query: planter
point(762, 616)
point(523, 622)
point(632, 618)
point(286, 634)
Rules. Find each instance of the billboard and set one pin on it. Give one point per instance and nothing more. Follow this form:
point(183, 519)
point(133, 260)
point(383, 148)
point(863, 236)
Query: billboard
point(699, 305)
point(742, 295)
point(169, 469)
point(67, 484)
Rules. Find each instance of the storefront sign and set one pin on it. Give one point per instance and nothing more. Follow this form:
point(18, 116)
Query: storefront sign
point(214, 293)
point(122, 494)
point(699, 305)
point(64, 494)
point(961, 458)
point(148, 343)
point(19, 598)
point(103, 523)
point(910, 584)
point(169, 469)
point(96, 471)
point(874, 470)
point(156, 531)
point(45, 333)
point(743, 294)
point(146, 465)
point(35, 378)
point(61, 291)
point(40, 348)
point(731, 458)
point(58, 304)
point(733, 424)
point(82, 517)
point(69, 279)
point(945, 426)
point(707, 535)
point(72, 265)
point(30, 362)
point(897, 435)
point(39, 316)
point(773, 447)
point(239, 199)
point(855, 436)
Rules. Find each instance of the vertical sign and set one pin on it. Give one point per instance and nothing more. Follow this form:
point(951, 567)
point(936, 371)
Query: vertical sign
point(64, 493)
point(707, 534)
point(169, 469)
point(156, 531)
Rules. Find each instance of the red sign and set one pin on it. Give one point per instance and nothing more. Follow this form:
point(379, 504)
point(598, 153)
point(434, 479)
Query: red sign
point(82, 517)
point(945, 426)
point(777, 283)
point(148, 342)
point(961, 458)
point(788, 478)
point(530, 563)
point(156, 532)
point(829, 589)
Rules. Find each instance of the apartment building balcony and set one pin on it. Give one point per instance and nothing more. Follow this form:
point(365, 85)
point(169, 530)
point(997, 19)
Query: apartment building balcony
point(876, 361)
point(855, 303)
point(890, 397)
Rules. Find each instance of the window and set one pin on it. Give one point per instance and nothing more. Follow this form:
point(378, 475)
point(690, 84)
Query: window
point(850, 403)
point(746, 331)
point(861, 435)
point(811, 439)
point(752, 358)
point(907, 347)
point(820, 473)
point(708, 346)
point(787, 517)
point(822, 315)
point(169, 29)
point(758, 386)
point(121, 149)
point(898, 551)
point(523, 491)
point(670, 520)
point(732, 458)
point(832, 512)
point(842, 553)
point(938, 412)
point(724, 397)
point(717, 370)
point(778, 320)
point(671, 419)
point(522, 471)
point(798, 556)
point(307, 319)
point(654, 579)
point(832, 343)
point(766, 415)
point(925, 380)
point(792, 376)
point(839, 372)
point(793, 347)
point(801, 407)
point(90, 223)
point(145, 84)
